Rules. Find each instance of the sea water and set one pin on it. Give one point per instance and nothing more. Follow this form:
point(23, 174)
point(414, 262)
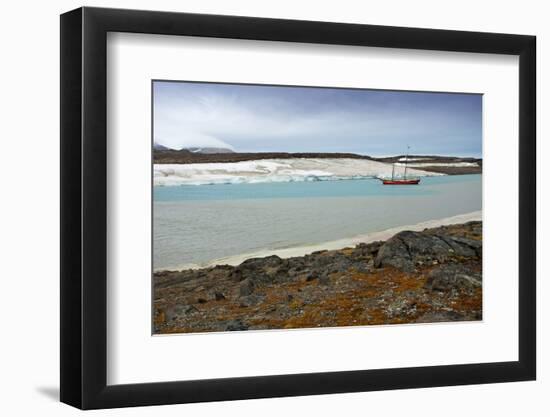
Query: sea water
point(195, 224)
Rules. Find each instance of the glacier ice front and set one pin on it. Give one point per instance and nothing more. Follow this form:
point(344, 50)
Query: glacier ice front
point(272, 170)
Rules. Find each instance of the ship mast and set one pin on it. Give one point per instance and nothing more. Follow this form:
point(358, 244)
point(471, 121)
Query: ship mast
point(406, 159)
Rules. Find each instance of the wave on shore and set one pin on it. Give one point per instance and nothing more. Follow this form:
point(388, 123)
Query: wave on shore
point(274, 170)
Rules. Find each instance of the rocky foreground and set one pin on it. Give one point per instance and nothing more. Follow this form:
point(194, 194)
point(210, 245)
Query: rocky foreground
point(414, 277)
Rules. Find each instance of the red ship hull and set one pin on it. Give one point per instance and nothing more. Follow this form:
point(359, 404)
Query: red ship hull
point(401, 182)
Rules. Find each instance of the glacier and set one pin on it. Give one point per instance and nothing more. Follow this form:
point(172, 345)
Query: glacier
point(275, 170)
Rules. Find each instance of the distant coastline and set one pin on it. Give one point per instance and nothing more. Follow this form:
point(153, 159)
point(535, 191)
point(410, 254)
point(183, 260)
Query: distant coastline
point(449, 165)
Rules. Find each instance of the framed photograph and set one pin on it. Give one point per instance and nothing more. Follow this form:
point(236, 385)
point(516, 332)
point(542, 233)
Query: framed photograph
point(256, 208)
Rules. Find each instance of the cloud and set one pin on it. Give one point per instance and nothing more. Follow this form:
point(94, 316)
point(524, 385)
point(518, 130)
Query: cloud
point(254, 118)
point(189, 139)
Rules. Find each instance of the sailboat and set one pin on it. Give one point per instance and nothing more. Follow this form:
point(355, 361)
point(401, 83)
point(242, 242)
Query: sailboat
point(401, 181)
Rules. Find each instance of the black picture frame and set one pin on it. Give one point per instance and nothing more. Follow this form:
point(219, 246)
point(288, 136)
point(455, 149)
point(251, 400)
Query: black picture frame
point(84, 207)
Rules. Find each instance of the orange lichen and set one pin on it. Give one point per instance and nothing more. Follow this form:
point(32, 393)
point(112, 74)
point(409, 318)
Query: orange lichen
point(349, 298)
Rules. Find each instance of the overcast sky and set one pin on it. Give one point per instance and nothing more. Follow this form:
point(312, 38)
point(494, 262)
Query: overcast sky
point(255, 118)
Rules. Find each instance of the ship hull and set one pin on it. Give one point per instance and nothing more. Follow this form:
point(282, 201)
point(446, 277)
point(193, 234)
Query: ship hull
point(401, 182)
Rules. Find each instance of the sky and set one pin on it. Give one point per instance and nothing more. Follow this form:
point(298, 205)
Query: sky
point(263, 118)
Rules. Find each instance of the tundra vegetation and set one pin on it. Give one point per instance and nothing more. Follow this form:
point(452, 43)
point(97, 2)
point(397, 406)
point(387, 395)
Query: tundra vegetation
point(414, 277)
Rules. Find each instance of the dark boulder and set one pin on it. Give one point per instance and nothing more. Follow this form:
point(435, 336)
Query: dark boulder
point(464, 247)
point(262, 270)
point(297, 263)
point(260, 263)
point(407, 249)
point(340, 263)
point(367, 249)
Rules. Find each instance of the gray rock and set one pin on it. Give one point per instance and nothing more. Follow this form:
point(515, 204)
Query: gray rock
point(260, 263)
point(340, 263)
point(442, 316)
point(453, 277)
point(236, 274)
point(367, 249)
point(406, 249)
point(324, 279)
point(292, 272)
point(177, 311)
point(236, 325)
point(297, 263)
point(262, 270)
point(364, 267)
point(250, 300)
point(246, 287)
point(467, 247)
point(320, 262)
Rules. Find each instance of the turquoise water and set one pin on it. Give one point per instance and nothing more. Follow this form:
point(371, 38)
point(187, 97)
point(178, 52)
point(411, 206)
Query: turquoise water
point(304, 189)
point(199, 223)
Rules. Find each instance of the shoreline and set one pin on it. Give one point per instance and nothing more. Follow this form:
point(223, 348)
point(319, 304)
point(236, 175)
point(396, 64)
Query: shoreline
point(337, 244)
point(188, 156)
point(431, 164)
point(428, 276)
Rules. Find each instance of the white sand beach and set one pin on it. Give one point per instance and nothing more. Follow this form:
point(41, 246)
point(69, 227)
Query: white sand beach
point(340, 243)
